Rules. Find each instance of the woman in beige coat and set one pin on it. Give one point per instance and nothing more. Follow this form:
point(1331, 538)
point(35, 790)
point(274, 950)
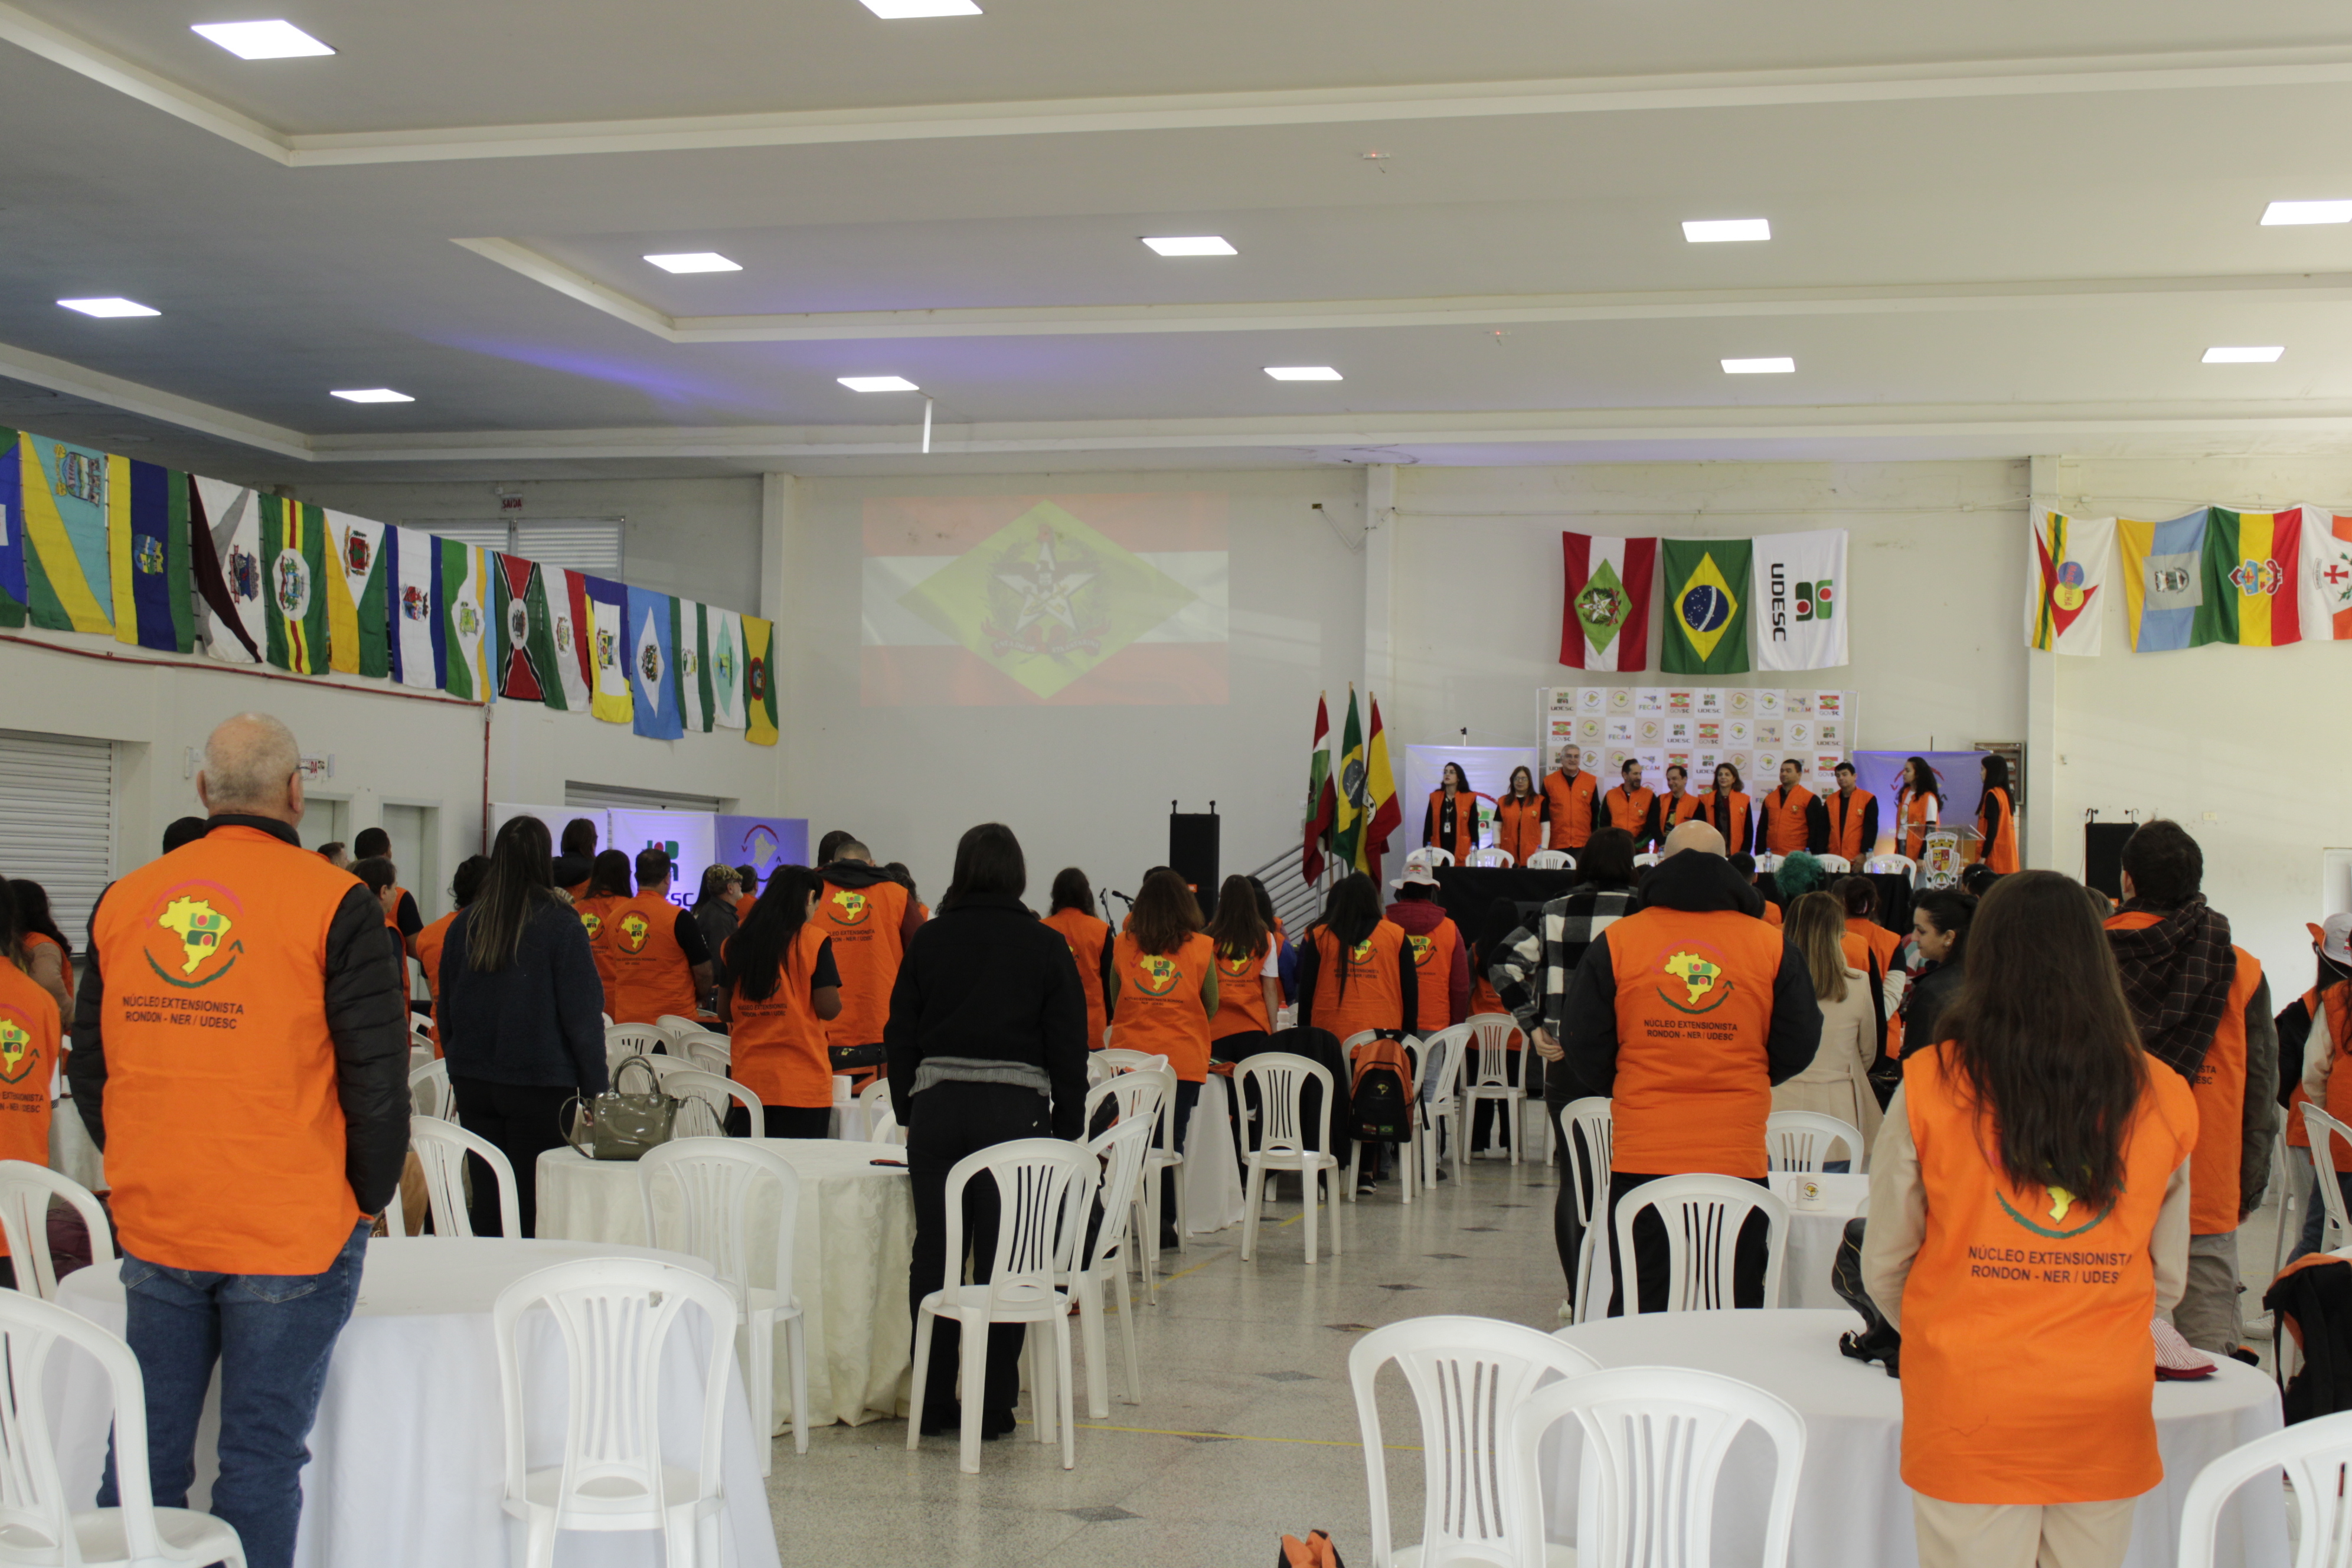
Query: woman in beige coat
point(1837, 1083)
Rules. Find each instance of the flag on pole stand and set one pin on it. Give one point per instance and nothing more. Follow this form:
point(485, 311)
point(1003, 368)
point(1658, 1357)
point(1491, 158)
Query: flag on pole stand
point(1379, 798)
point(1348, 799)
point(1319, 804)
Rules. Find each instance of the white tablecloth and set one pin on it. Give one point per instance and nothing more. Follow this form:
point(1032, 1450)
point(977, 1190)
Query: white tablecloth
point(407, 1457)
point(1814, 1237)
point(1852, 1508)
point(1213, 1176)
point(852, 1246)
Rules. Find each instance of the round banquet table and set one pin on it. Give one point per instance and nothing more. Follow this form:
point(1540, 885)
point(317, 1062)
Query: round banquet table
point(1852, 1508)
point(852, 1245)
point(1213, 1175)
point(1814, 1237)
point(407, 1458)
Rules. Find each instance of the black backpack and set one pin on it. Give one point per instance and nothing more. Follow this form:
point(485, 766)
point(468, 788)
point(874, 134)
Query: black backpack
point(2315, 1294)
point(1380, 1091)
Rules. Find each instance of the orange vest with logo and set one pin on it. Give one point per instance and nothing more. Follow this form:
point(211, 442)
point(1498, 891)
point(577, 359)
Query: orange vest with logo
point(2025, 1318)
point(1374, 999)
point(1160, 1006)
point(1567, 803)
point(1911, 824)
point(1518, 826)
point(650, 973)
point(1086, 936)
point(864, 925)
point(1433, 966)
point(596, 915)
point(1729, 812)
point(1630, 811)
point(2335, 1002)
point(777, 1047)
point(1999, 850)
point(1785, 827)
point(1846, 817)
point(225, 1139)
point(1694, 1004)
point(1465, 825)
point(1674, 810)
point(29, 1057)
point(1240, 995)
point(428, 952)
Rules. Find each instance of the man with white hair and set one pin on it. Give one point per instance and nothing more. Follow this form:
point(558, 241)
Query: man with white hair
point(241, 1055)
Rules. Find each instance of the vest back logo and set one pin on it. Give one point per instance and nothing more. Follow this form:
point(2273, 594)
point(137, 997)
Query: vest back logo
point(1361, 952)
point(2060, 1201)
point(593, 924)
point(634, 929)
point(851, 908)
point(17, 1056)
point(191, 932)
point(1156, 975)
point(1704, 986)
point(1240, 968)
point(1423, 946)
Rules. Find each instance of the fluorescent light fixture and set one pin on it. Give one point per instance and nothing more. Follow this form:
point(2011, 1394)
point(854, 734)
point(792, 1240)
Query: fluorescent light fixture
point(1193, 245)
point(901, 10)
point(695, 261)
point(112, 305)
point(2279, 213)
point(373, 394)
point(878, 383)
point(1302, 373)
point(2243, 355)
point(1783, 365)
point(1725, 230)
point(276, 40)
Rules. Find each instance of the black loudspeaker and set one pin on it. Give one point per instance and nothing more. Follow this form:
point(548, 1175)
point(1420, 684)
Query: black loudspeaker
point(2103, 856)
point(1192, 852)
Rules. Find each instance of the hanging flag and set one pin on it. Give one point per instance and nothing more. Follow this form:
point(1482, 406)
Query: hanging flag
point(14, 593)
point(567, 601)
point(528, 655)
point(2253, 576)
point(653, 667)
point(2164, 582)
point(1380, 797)
point(69, 575)
point(147, 544)
point(1319, 795)
point(1347, 802)
point(1708, 589)
point(357, 597)
point(1801, 578)
point(230, 515)
point(2327, 575)
point(727, 669)
point(689, 635)
point(1605, 623)
point(293, 561)
point(419, 640)
point(759, 680)
point(608, 650)
point(2066, 579)
point(465, 619)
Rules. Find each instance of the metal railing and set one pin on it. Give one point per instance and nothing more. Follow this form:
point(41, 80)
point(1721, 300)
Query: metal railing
point(1297, 901)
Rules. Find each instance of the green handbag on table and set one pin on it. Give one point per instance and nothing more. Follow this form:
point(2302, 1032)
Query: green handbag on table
point(621, 1126)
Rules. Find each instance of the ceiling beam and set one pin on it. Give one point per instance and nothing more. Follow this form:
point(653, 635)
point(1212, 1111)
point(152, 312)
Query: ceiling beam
point(131, 397)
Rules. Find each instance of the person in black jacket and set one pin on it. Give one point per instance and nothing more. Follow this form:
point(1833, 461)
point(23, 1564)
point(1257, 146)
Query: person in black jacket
point(520, 1017)
point(986, 1043)
point(1939, 928)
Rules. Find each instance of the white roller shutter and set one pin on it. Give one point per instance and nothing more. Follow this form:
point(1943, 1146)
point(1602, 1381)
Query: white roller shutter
point(56, 821)
point(614, 797)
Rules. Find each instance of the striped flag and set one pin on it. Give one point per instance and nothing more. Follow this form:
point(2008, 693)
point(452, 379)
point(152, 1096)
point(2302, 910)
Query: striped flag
point(2066, 577)
point(232, 586)
point(1605, 619)
point(293, 562)
point(2253, 577)
point(690, 636)
point(2327, 575)
point(69, 574)
point(356, 596)
point(465, 619)
point(147, 539)
point(2164, 581)
point(608, 647)
point(567, 601)
point(758, 681)
point(727, 669)
point(419, 640)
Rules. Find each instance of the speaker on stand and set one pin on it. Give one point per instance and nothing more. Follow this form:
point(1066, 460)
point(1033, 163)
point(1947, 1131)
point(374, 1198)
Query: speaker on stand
point(1193, 853)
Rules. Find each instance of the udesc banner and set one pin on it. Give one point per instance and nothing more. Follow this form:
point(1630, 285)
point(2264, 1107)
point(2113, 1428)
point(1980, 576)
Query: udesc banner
point(1800, 611)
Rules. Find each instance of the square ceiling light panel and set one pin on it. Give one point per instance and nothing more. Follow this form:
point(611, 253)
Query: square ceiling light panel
point(1725, 230)
point(878, 383)
point(695, 261)
point(2262, 356)
point(373, 394)
point(905, 10)
point(1302, 373)
point(1193, 245)
point(2283, 213)
point(1781, 366)
point(112, 305)
point(272, 40)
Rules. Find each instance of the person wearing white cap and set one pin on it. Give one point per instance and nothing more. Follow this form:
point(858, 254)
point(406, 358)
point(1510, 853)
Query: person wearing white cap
point(2321, 1016)
point(1440, 956)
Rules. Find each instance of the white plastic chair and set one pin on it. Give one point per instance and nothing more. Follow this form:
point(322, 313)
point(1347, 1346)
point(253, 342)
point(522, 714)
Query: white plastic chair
point(1280, 1144)
point(614, 1315)
point(1703, 1216)
point(1551, 860)
point(1045, 1188)
point(1406, 1153)
point(2313, 1453)
point(702, 1092)
point(1430, 858)
point(1491, 855)
point(1140, 1094)
point(1120, 1060)
point(1119, 1152)
point(1590, 1123)
point(1490, 1035)
point(622, 1041)
point(1163, 1155)
point(1468, 1375)
point(1441, 1100)
point(1801, 1140)
point(429, 1093)
point(719, 1180)
point(1648, 858)
point(25, 1190)
point(678, 1027)
point(1892, 865)
point(712, 1053)
point(43, 1526)
point(1835, 864)
point(441, 1148)
point(1654, 1442)
point(2322, 1127)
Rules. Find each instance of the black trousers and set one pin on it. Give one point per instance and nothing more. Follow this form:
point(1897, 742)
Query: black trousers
point(525, 1121)
point(1188, 1095)
point(1482, 1119)
point(781, 1121)
point(1748, 1255)
point(948, 1122)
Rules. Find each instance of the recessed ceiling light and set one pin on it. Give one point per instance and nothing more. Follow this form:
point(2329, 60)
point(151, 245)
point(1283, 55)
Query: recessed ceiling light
point(276, 40)
point(2243, 355)
point(2279, 213)
point(1302, 373)
point(696, 261)
point(1781, 365)
point(901, 10)
point(1193, 245)
point(110, 306)
point(373, 394)
point(1723, 230)
point(878, 383)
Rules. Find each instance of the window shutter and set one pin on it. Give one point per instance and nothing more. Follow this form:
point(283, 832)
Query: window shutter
point(56, 821)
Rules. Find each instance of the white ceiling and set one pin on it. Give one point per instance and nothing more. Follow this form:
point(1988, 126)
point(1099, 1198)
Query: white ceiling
point(1992, 233)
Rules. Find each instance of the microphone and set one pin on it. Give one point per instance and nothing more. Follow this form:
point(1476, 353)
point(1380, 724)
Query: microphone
point(1122, 898)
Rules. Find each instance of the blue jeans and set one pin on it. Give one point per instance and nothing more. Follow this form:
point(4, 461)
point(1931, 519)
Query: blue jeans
point(273, 1335)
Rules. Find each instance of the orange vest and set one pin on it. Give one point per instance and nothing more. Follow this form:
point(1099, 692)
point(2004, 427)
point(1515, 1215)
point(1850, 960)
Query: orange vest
point(593, 914)
point(428, 953)
point(2221, 1091)
point(1240, 995)
point(1518, 826)
point(1484, 999)
point(777, 1047)
point(1160, 1006)
point(650, 973)
point(1911, 823)
point(1630, 811)
point(864, 925)
point(224, 1130)
point(1086, 936)
point(2025, 1318)
point(1999, 849)
point(28, 1056)
point(1433, 966)
point(65, 963)
point(1374, 999)
point(1674, 810)
point(2336, 1002)
point(1884, 944)
point(1772, 915)
point(1568, 805)
point(1845, 825)
point(1730, 816)
point(1786, 830)
point(1465, 825)
point(1694, 1003)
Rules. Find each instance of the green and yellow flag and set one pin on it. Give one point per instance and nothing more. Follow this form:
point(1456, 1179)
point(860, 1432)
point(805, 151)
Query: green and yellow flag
point(293, 585)
point(759, 680)
point(1709, 583)
point(1348, 817)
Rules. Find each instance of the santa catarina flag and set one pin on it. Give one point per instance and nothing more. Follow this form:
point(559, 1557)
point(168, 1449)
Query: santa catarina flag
point(230, 581)
point(147, 538)
point(608, 650)
point(68, 569)
point(1709, 583)
point(2327, 575)
point(652, 667)
point(1605, 618)
point(293, 597)
point(418, 641)
point(356, 596)
point(462, 595)
point(1801, 600)
point(2066, 575)
point(2164, 582)
point(758, 681)
point(528, 657)
point(727, 669)
point(2253, 576)
point(690, 635)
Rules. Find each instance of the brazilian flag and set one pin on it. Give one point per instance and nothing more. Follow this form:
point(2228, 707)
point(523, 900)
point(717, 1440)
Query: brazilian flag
point(1709, 583)
point(1348, 820)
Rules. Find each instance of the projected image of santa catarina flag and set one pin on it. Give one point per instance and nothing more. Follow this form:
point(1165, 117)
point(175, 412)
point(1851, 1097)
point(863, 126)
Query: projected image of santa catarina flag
point(1070, 600)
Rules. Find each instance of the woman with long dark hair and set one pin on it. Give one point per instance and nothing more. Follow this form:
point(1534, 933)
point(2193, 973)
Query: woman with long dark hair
point(609, 886)
point(777, 986)
point(987, 1043)
point(1727, 809)
point(1997, 819)
point(1168, 992)
point(31, 1012)
point(1451, 823)
point(2029, 1218)
point(1918, 802)
point(48, 954)
point(717, 906)
point(1249, 969)
point(1519, 817)
point(1355, 968)
point(1939, 929)
point(519, 1016)
point(1073, 914)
